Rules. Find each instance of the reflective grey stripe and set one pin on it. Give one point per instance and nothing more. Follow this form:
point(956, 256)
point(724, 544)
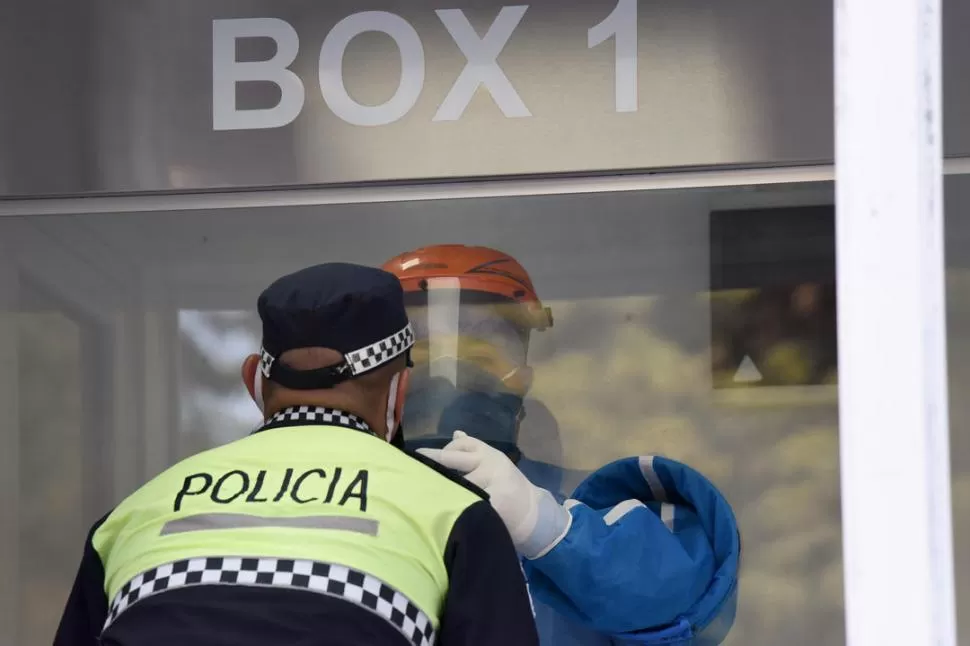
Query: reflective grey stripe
point(621, 510)
point(653, 480)
point(667, 515)
point(203, 522)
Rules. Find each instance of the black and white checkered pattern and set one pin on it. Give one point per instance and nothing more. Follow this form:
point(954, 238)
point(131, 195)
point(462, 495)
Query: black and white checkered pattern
point(317, 415)
point(324, 578)
point(379, 353)
point(265, 362)
point(364, 359)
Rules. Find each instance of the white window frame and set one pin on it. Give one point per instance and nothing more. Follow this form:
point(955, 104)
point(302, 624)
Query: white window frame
point(893, 414)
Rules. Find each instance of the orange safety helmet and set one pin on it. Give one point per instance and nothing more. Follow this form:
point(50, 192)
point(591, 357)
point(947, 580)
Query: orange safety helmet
point(479, 269)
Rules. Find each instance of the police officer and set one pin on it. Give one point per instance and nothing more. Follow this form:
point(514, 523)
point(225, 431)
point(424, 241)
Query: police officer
point(314, 530)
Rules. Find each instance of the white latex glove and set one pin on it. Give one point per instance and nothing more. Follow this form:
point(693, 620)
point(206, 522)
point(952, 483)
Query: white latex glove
point(536, 522)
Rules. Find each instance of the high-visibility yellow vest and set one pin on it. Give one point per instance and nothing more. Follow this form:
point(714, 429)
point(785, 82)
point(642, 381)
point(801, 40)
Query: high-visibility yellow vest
point(313, 492)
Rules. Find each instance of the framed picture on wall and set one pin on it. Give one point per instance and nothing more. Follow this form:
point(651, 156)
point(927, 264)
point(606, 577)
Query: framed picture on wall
point(773, 304)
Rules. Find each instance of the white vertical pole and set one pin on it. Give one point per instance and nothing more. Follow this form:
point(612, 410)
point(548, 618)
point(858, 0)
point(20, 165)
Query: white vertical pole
point(897, 533)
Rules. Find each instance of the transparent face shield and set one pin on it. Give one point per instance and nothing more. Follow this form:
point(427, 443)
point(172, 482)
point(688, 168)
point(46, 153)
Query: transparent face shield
point(469, 371)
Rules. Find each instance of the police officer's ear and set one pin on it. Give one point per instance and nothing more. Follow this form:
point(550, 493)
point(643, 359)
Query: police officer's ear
point(250, 366)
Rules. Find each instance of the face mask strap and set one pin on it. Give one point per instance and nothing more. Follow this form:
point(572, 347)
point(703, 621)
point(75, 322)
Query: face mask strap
point(258, 390)
point(391, 405)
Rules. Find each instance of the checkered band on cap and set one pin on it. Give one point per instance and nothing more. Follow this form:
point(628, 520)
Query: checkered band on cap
point(377, 354)
point(364, 359)
point(351, 585)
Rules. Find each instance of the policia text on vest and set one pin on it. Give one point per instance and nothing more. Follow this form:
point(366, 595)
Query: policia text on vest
point(314, 530)
point(235, 487)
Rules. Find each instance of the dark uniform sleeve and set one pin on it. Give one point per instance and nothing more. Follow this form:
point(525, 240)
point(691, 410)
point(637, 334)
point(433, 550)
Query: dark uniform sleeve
point(87, 606)
point(488, 600)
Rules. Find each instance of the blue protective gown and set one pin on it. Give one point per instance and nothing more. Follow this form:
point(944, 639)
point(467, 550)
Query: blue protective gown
point(651, 557)
point(652, 550)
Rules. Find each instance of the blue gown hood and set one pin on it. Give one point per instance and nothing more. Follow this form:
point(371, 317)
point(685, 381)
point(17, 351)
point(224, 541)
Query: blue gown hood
point(667, 552)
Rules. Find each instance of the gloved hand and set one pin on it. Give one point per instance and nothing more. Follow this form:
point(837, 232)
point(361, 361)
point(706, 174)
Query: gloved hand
point(536, 522)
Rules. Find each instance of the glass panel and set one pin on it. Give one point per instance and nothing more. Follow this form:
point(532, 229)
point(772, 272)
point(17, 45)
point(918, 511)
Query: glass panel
point(53, 519)
point(695, 324)
point(211, 346)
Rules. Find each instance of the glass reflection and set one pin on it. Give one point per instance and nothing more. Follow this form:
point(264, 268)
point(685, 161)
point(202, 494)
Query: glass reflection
point(643, 357)
point(53, 516)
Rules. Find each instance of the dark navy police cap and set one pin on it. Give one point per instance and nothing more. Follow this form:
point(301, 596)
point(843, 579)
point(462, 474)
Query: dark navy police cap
point(355, 310)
